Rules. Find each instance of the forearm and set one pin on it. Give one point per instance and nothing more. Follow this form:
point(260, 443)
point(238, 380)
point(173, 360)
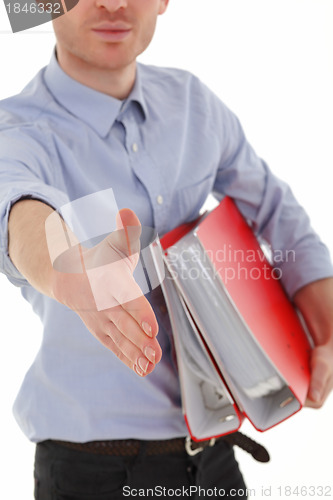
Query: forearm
point(28, 245)
point(126, 324)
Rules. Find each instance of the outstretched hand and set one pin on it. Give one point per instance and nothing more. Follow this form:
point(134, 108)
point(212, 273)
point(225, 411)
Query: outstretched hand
point(98, 284)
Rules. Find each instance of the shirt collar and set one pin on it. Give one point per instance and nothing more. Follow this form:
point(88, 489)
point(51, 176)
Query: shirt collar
point(96, 109)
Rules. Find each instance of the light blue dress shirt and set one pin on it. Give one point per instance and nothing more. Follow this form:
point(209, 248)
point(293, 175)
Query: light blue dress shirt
point(162, 151)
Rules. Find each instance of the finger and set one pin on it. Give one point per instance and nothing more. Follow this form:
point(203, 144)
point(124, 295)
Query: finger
point(321, 377)
point(109, 344)
point(142, 312)
point(126, 351)
point(128, 330)
point(114, 286)
point(108, 334)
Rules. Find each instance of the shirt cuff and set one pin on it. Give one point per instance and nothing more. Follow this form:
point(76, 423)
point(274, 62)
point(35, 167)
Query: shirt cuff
point(49, 195)
point(306, 266)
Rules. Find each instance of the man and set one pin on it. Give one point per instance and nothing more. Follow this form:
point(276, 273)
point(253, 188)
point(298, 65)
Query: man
point(92, 120)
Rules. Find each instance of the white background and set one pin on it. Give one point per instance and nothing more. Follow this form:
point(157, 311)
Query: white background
point(271, 62)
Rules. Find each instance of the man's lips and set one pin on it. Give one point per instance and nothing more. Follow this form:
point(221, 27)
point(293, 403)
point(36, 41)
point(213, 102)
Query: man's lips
point(116, 31)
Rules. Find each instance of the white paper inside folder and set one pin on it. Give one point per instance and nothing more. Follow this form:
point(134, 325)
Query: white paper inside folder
point(256, 385)
point(224, 373)
point(206, 401)
point(229, 336)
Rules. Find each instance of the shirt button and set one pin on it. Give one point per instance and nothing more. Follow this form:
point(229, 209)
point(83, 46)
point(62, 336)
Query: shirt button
point(160, 199)
point(135, 147)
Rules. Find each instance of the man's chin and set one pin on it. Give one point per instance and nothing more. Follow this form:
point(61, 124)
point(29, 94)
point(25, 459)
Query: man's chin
point(111, 60)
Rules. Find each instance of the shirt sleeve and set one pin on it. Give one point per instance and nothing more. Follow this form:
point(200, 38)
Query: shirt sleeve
point(269, 204)
point(26, 171)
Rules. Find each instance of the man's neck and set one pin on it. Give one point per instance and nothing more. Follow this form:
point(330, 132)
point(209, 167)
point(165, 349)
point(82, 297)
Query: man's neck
point(117, 84)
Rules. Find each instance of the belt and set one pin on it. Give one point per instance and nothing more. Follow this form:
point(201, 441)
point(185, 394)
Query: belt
point(132, 447)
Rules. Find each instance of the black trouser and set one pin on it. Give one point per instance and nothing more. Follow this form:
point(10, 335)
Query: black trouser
point(66, 474)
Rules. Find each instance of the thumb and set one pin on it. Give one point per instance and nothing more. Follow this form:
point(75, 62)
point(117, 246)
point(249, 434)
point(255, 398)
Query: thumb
point(126, 217)
point(127, 236)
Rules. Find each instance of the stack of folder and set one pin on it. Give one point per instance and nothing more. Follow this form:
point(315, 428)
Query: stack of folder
point(242, 350)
